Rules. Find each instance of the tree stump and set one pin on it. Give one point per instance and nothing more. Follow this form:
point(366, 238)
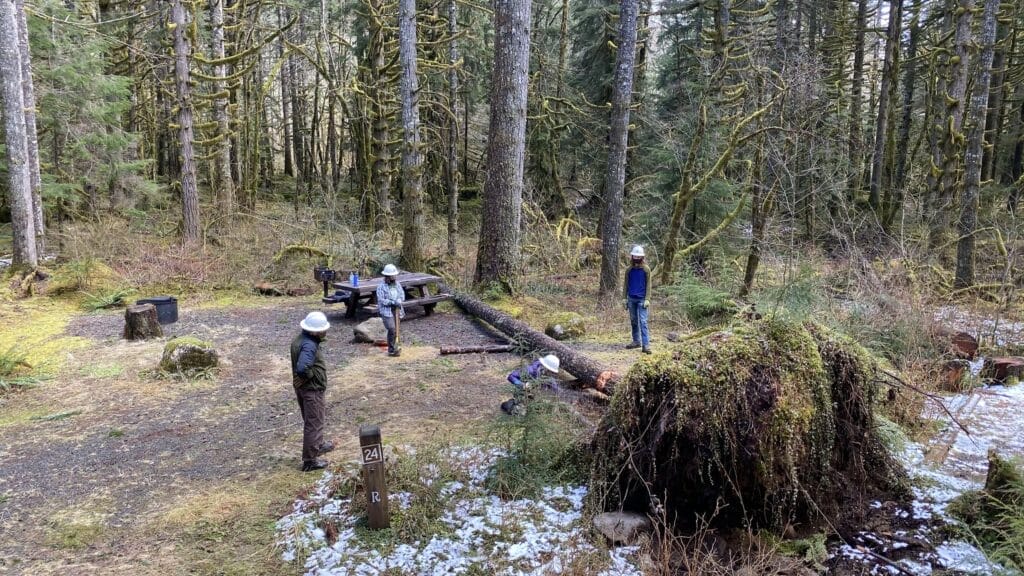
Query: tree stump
point(141, 322)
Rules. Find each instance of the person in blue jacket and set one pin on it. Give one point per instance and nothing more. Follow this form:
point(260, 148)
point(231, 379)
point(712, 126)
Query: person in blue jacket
point(540, 372)
point(636, 289)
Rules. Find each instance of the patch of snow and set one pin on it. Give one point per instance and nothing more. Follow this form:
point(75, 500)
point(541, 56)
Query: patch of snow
point(519, 537)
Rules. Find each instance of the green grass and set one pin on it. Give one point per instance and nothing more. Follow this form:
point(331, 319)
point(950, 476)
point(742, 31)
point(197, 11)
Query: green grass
point(115, 433)
point(102, 371)
point(544, 449)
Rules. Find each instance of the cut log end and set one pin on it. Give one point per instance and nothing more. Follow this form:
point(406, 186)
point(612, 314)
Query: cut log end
point(141, 322)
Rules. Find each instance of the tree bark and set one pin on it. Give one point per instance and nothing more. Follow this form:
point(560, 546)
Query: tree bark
point(973, 154)
point(856, 95)
point(758, 223)
point(493, 348)
point(225, 185)
point(412, 159)
point(889, 71)
point(380, 213)
point(286, 146)
point(994, 117)
point(587, 371)
point(618, 143)
point(189, 191)
point(19, 179)
point(141, 322)
point(909, 84)
point(953, 120)
point(31, 136)
point(498, 251)
point(452, 164)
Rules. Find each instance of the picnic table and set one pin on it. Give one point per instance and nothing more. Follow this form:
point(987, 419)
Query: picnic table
point(417, 286)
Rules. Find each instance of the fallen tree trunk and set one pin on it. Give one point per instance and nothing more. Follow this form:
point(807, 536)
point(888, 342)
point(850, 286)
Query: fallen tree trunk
point(586, 371)
point(476, 349)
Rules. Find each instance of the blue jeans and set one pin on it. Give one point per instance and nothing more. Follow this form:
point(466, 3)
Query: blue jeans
point(638, 321)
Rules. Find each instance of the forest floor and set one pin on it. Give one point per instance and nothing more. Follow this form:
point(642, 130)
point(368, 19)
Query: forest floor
point(108, 468)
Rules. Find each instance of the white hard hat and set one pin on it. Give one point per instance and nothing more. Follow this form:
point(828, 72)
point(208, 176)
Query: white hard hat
point(550, 362)
point(390, 270)
point(315, 322)
point(637, 251)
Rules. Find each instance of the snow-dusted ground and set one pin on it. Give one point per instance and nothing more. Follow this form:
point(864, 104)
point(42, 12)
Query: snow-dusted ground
point(994, 417)
point(484, 534)
point(988, 330)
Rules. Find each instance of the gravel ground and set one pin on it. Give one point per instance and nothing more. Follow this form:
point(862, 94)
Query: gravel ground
point(130, 443)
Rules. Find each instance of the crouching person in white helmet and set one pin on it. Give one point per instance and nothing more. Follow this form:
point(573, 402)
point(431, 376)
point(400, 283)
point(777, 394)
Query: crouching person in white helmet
point(636, 288)
point(390, 299)
point(309, 377)
point(541, 372)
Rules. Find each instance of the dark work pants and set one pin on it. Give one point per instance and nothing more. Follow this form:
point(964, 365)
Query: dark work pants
point(314, 412)
point(389, 325)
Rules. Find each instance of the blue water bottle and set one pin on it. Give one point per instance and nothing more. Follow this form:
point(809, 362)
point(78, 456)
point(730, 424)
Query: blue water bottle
point(355, 278)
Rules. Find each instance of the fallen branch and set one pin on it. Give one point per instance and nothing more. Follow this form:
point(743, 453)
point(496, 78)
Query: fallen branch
point(476, 349)
point(878, 557)
point(933, 397)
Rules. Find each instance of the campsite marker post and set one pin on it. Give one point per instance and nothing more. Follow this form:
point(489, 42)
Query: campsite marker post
point(373, 476)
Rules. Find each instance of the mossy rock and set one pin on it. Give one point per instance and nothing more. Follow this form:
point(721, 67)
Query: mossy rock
point(566, 326)
point(188, 356)
point(767, 424)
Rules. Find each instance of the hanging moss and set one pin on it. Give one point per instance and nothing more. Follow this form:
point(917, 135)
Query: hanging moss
point(766, 424)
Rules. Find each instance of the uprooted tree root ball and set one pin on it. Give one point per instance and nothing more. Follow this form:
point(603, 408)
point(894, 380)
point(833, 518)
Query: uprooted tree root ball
point(767, 424)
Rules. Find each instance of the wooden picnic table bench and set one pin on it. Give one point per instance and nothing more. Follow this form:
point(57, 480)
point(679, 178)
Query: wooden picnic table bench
point(417, 292)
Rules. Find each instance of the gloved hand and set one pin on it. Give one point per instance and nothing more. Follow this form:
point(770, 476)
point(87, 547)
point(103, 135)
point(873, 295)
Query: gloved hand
point(646, 304)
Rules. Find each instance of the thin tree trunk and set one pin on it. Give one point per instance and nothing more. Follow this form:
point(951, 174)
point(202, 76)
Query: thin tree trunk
point(994, 117)
point(412, 159)
point(909, 84)
point(29, 97)
point(890, 69)
point(381, 168)
point(189, 191)
point(856, 95)
point(19, 179)
point(225, 185)
point(452, 165)
point(758, 223)
point(286, 96)
point(618, 142)
point(499, 248)
point(973, 154)
point(953, 120)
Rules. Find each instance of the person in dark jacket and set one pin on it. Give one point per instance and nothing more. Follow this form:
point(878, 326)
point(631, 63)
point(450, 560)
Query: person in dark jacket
point(309, 377)
point(636, 289)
